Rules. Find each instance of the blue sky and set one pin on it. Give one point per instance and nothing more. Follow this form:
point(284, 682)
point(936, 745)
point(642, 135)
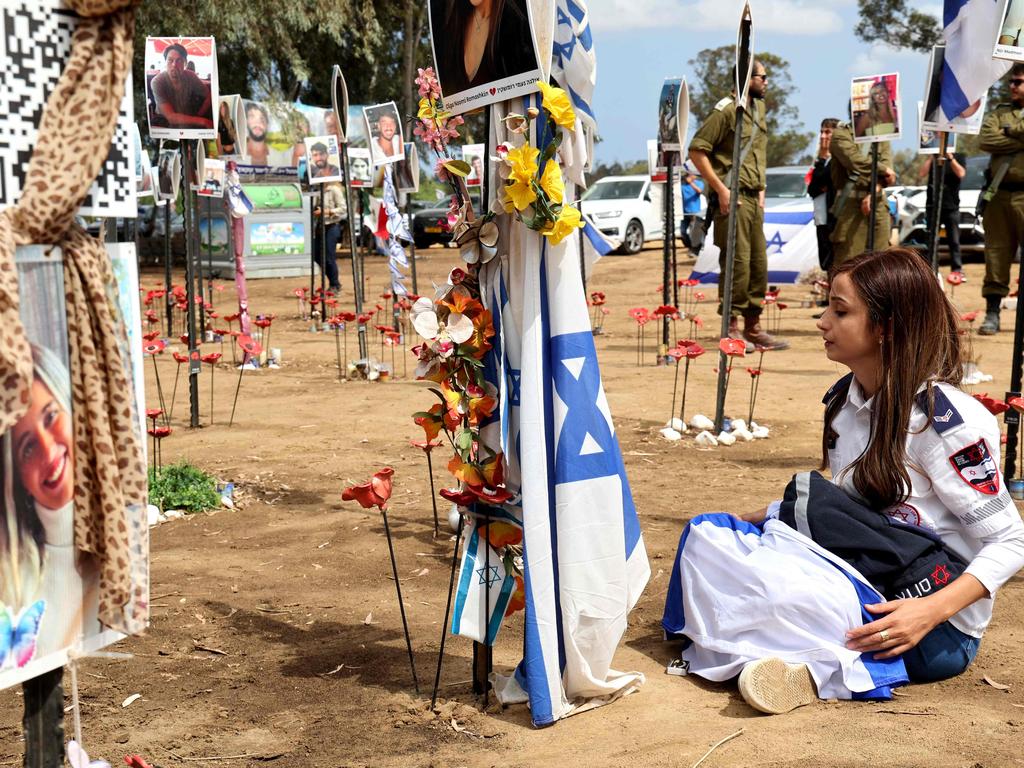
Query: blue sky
point(641, 42)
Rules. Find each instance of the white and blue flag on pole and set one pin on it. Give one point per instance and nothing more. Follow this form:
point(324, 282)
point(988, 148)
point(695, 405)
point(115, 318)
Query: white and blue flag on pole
point(969, 28)
point(585, 561)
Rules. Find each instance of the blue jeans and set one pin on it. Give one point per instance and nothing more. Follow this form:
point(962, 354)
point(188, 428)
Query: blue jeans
point(942, 653)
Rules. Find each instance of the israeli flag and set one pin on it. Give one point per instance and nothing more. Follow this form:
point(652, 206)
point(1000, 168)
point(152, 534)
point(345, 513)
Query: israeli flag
point(742, 593)
point(574, 69)
point(970, 28)
point(585, 561)
point(397, 234)
point(485, 588)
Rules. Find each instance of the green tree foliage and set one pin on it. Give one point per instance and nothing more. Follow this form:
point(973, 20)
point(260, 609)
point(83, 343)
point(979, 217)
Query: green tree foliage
point(713, 80)
point(896, 24)
point(183, 486)
point(602, 170)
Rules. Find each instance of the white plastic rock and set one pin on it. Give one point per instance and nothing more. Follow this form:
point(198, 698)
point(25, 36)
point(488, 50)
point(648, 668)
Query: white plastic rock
point(726, 438)
point(738, 424)
point(705, 438)
point(743, 434)
point(760, 433)
point(153, 512)
point(676, 424)
point(702, 422)
point(670, 434)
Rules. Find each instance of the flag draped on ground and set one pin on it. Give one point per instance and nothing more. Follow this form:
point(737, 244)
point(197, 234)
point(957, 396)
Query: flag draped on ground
point(969, 28)
point(585, 564)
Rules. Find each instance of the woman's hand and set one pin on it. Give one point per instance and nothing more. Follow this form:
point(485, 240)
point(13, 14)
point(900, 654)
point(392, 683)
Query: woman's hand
point(753, 517)
point(902, 625)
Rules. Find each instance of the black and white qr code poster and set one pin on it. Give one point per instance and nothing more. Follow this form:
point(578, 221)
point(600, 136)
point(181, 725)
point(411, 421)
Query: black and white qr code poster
point(35, 42)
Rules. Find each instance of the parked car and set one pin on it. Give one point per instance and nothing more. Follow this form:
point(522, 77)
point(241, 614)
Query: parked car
point(426, 223)
point(629, 209)
point(913, 224)
point(785, 183)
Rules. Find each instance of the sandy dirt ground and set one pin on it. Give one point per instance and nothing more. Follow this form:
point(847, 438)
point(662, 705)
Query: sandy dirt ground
point(276, 637)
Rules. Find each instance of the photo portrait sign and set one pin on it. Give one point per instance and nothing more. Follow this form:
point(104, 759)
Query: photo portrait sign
point(928, 140)
point(360, 169)
point(1009, 40)
point(211, 184)
point(482, 58)
point(339, 105)
point(323, 159)
point(407, 170)
point(933, 117)
point(668, 114)
point(168, 174)
point(49, 592)
point(475, 157)
point(181, 87)
point(384, 128)
point(875, 108)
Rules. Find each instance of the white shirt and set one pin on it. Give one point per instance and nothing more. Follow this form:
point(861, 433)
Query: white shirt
point(968, 508)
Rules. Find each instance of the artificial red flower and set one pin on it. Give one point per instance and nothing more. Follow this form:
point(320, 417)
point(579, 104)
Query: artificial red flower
point(597, 298)
point(1017, 403)
point(179, 358)
point(955, 278)
point(694, 350)
point(375, 492)
point(154, 413)
point(458, 496)
point(665, 310)
point(211, 358)
point(154, 347)
point(970, 317)
point(733, 347)
point(159, 432)
point(754, 372)
point(489, 495)
point(501, 534)
point(676, 353)
point(231, 318)
point(151, 336)
point(263, 322)
point(249, 345)
point(364, 318)
point(640, 314)
point(299, 292)
point(425, 445)
point(518, 600)
point(348, 317)
point(994, 405)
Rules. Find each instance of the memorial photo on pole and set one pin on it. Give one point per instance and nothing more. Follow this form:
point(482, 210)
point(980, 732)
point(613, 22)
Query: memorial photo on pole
point(384, 127)
point(181, 87)
point(324, 162)
point(875, 105)
point(359, 167)
point(1009, 41)
point(212, 180)
point(933, 118)
point(484, 52)
point(407, 170)
point(473, 155)
point(168, 174)
point(668, 115)
point(928, 143)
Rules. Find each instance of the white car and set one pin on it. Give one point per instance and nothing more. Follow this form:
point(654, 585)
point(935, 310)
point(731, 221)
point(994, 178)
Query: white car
point(913, 224)
point(629, 209)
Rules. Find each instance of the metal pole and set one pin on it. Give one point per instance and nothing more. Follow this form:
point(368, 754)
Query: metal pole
point(447, 611)
point(666, 247)
point(874, 192)
point(168, 296)
point(673, 184)
point(209, 254)
point(1012, 417)
point(356, 294)
point(725, 286)
point(43, 721)
point(412, 245)
point(938, 186)
point(190, 288)
point(323, 252)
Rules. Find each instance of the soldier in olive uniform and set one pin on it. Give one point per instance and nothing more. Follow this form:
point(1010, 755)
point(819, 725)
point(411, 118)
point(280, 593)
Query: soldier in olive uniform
point(851, 179)
point(1002, 134)
point(711, 151)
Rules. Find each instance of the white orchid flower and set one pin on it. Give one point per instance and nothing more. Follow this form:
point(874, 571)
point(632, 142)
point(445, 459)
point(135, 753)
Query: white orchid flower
point(455, 329)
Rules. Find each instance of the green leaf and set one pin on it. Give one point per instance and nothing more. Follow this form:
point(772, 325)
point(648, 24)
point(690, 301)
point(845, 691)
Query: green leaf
point(458, 167)
point(183, 486)
point(464, 439)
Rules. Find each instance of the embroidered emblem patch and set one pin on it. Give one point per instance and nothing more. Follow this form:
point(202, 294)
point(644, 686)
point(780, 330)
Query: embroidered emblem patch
point(940, 575)
point(905, 513)
point(977, 468)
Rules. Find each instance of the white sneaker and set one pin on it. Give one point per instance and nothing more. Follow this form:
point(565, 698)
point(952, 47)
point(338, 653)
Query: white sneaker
point(773, 686)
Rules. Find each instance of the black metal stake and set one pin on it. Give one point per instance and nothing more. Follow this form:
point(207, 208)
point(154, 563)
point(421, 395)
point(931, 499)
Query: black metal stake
point(401, 605)
point(938, 186)
point(190, 284)
point(323, 250)
point(168, 296)
point(1013, 426)
point(433, 496)
point(241, 370)
point(337, 349)
point(874, 194)
point(43, 721)
point(682, 405)
point(675, 384)
point(666, 248)
point(357, 294)
point(447, 610)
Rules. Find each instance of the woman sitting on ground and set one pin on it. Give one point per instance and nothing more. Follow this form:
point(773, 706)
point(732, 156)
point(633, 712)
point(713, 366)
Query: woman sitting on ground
point(901, 439)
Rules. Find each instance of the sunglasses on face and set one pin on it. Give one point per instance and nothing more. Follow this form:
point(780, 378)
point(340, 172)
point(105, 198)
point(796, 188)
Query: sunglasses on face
point(765, 76)
point(1016, 82)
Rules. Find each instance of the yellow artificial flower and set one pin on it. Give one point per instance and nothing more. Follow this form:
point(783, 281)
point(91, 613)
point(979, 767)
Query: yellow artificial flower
point(556, 103)
point(429, 111)
point(568, 220)
point(551, 182)
point(521, 194)
point(523, 161)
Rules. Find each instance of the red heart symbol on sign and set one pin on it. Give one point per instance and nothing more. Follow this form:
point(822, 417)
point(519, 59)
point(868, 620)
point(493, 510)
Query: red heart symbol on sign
point(493, 91)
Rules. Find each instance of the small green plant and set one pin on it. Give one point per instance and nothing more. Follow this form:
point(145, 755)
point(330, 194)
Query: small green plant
point(183, 486)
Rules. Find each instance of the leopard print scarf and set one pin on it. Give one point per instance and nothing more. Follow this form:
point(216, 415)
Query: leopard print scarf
point(74, 136)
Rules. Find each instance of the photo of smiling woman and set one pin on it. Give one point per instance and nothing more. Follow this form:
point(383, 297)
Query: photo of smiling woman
point(482, 47)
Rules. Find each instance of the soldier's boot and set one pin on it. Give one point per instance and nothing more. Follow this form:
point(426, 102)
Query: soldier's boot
point(990, 325)
point(754, 334)
point(734, 333)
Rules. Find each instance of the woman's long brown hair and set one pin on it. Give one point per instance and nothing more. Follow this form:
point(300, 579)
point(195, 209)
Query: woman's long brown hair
point(920, 345)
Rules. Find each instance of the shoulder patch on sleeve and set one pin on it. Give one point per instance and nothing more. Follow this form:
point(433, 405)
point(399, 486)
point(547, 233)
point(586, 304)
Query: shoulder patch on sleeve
point(842, 385)
point(723, 103)
point(977, 468)
point(946, 418)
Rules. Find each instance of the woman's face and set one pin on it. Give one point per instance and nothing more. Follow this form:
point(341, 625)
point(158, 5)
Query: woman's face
point(850, 336)
point(880, 94)
point(43, 449)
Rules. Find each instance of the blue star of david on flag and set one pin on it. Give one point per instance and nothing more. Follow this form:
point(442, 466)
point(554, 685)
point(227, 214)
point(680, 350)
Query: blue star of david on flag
point(492, 575)
point(776, 241)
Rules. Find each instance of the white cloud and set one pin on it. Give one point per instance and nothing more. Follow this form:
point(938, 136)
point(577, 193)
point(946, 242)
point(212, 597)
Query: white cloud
point(878, 59)
point(794, 17)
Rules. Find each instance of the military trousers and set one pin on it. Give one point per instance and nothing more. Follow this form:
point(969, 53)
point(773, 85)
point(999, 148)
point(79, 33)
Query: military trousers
point(750, 265)
point(850, 236)
point(1004, 233)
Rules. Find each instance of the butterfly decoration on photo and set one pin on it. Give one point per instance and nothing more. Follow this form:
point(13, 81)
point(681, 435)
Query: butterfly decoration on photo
point(18, 633)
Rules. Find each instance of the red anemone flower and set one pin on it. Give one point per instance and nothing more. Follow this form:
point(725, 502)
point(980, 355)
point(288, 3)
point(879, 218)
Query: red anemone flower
point(970, 317)
point(375, 492)
point(954, 278)
point(754, 372)
point(348, 317)
point(211, 358)
point(154, 347)
point(489, 495)
point(151, 336)
point(263, 322)
point(1017, 403)
point(597, 298)
point(640, 314)
point(154, 413)
point(994, 405)
point(299, 292)
point(364, 318)
point(664, 310)
point(179, 358)
point(425, 445)
point(733, 347)
point(456, 496)
point(694, 350)
point(249, 345)
point(159, 432)
point(676, 353)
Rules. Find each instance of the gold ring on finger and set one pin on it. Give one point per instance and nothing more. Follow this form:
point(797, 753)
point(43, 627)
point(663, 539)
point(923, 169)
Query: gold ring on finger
point(884, 634)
